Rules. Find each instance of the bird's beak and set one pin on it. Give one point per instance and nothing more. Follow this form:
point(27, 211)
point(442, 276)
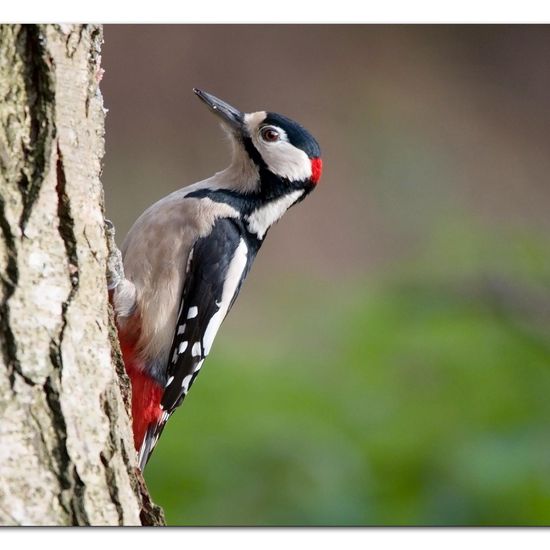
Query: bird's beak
point(230, 116)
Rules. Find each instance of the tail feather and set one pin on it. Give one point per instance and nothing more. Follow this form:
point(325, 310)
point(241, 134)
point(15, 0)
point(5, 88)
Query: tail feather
point(146, 449)
point(150, 439)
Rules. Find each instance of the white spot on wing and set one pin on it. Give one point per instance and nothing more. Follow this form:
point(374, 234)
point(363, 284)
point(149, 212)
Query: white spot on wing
point(185, 382)
point(193, 312)
point(232, 280)
point(181, 329)
point(198, 366)
point(183, 347)
point(196, 349)
point(170, 380)
point(264, 217)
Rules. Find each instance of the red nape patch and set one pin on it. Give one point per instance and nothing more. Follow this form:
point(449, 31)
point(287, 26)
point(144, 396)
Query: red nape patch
point(146, 395)
point(316, 169)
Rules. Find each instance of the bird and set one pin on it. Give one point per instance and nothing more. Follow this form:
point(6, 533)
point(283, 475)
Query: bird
point(184, 260)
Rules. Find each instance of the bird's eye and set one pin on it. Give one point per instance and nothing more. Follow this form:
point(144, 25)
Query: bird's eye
point(270, 134)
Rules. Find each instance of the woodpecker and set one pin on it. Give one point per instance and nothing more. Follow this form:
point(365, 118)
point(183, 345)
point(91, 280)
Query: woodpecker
point(184, 260)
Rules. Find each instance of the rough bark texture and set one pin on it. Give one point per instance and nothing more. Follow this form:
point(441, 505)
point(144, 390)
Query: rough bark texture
point(66, 452)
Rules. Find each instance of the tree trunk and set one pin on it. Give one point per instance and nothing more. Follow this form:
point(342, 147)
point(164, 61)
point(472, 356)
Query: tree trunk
point(66, 451)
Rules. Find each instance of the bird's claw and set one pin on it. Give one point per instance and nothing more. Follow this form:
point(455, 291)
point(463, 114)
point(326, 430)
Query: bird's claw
point(115, 268)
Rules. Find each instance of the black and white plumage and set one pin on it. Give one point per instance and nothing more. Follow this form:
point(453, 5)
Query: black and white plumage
point(186, 257)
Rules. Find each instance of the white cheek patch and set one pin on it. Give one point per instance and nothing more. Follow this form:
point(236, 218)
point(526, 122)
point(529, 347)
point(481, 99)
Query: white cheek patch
point(286, 161)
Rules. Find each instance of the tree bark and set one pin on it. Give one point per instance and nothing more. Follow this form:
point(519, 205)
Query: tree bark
point(66, 450)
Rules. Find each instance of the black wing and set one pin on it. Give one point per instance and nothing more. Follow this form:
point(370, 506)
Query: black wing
point(216, 269)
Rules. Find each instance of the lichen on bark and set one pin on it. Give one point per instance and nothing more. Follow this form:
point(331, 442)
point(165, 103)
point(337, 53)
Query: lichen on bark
point(66, 452)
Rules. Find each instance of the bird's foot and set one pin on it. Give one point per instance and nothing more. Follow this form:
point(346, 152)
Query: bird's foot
point(115, 269)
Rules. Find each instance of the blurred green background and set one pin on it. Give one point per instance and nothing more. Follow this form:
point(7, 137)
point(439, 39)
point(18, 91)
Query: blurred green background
point(388, 360)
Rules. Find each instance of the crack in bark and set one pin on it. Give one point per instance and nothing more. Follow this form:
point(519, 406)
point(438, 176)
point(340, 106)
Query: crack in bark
point(94, 65)
point(10, 280)
point(29, 53)
point(40, 431)
point(66, 230)
point(40, 90)
point(9, 283)
point(71, 495)
point(72, 43)
point(107, 455)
